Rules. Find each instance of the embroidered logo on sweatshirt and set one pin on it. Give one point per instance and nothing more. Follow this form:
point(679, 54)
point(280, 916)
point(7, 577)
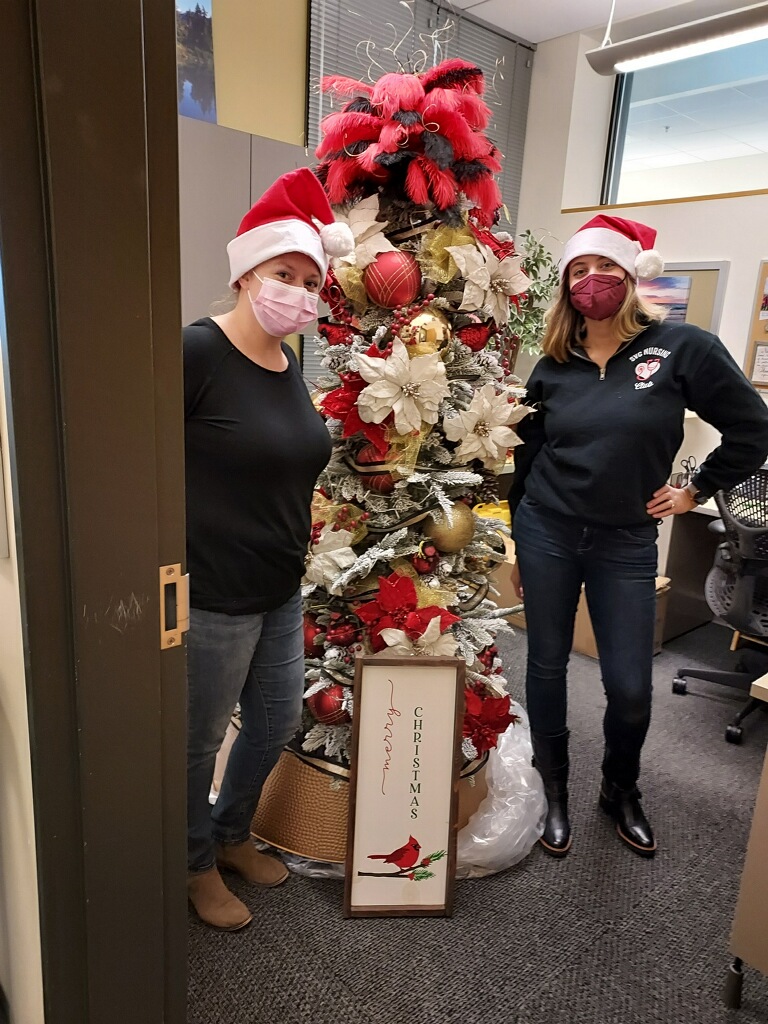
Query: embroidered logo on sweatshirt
point(648, 367)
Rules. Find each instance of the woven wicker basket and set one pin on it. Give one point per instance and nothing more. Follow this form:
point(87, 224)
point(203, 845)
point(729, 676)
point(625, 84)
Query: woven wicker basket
point(304, 806)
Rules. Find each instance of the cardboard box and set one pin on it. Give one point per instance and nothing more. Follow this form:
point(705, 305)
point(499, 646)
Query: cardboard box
point(583, 634)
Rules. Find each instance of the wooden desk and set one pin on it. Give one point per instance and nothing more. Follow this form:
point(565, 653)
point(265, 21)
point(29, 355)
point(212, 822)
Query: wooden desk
point(749, 938)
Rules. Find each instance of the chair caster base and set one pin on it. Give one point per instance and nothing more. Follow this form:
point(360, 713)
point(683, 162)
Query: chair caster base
point(679, 686)
point(734, 734)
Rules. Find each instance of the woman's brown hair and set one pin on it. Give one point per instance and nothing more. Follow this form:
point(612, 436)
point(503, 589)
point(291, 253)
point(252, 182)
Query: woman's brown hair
point(564, 324)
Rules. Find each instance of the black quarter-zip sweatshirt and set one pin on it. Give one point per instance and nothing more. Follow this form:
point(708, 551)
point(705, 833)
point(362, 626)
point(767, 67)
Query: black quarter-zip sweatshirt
point(602, 441)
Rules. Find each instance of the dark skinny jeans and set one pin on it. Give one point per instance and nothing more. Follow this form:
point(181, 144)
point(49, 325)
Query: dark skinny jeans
point(617, 566)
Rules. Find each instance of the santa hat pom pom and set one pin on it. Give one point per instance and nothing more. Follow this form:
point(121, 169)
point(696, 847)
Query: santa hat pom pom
point(337, 239)
point(649, 264)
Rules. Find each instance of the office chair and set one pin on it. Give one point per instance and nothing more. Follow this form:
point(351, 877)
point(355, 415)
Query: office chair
point(736, 589)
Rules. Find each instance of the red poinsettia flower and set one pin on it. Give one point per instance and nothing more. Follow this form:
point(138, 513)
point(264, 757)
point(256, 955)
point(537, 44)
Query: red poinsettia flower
point(485, 718)
point(397, 608)
point(341, 404)
point(475, 336)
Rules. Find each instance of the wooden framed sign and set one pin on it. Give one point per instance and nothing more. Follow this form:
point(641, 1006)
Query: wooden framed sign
point(404, 786)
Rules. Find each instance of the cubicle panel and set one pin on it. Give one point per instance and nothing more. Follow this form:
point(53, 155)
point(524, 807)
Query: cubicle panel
point(270, 159)
point(214, 193)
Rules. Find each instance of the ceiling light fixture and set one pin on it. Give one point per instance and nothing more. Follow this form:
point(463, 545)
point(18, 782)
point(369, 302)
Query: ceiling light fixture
point(745, 25)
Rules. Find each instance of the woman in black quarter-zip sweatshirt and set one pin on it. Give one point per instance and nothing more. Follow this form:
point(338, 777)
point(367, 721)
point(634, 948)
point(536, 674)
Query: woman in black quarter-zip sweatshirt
point(590, 489)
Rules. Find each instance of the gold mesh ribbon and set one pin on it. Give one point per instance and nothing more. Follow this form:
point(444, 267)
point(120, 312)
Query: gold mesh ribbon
point(351, 281)
point(436, 262)
point(404, 450)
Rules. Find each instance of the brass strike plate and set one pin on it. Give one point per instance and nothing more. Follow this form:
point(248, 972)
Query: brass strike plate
point(174, 605)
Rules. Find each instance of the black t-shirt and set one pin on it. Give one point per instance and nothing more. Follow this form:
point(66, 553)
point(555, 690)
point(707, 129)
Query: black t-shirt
point(600, 444)
point(255, 446)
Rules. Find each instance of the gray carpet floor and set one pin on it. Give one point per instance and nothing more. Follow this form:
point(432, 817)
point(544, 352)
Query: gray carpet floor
point(602, 937)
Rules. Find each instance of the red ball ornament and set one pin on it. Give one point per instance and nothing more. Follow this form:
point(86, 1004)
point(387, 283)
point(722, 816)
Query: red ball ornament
point(312, 647)
point(326, 706)
point(382, 481)
point(393, 279)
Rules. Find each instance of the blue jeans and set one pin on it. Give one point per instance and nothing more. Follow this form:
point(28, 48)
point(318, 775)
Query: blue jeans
point(257, 660)
point(556, 554)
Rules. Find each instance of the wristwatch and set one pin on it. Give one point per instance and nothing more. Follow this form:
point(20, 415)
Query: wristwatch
point(698, 496)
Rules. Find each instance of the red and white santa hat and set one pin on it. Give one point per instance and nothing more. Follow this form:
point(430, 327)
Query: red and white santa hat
point(293, 215)
point(626, 242)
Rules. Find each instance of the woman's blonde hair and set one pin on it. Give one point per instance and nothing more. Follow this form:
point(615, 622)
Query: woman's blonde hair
point(565, 325)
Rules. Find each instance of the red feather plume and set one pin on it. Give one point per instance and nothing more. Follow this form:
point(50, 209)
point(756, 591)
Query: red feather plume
point(417, 185)
point(454, 74)
point(467, 145)
point(397, 92)
point(442, 184)
point(341, 86)
point(485, 193)
point(342, 175)
point(342, 129)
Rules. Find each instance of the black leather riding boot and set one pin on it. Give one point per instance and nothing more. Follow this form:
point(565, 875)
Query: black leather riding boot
point(632, 826)
point(550, 756)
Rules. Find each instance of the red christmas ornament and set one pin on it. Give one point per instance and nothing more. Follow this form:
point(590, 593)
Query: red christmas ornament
point(382, 481)
point(393, 279)
point(312, 647)
point(326, 706)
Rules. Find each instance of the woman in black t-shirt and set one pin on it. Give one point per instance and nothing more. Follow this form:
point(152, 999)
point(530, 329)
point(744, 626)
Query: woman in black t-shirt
point(254, 447)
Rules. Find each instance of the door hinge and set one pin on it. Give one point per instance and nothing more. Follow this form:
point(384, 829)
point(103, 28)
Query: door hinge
point(174, 605)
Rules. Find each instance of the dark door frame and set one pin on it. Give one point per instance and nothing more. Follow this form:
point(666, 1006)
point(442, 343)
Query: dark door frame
point(89, 247)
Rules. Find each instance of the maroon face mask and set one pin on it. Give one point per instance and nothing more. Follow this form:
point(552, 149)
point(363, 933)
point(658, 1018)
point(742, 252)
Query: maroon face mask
point(598, 296)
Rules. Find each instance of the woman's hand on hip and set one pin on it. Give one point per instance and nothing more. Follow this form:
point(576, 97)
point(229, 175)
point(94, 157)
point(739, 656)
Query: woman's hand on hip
point(517, 585)
point(670, 501)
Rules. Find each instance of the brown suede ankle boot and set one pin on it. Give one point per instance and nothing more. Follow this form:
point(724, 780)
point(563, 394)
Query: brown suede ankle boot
point(253, 866)
point(214, 903)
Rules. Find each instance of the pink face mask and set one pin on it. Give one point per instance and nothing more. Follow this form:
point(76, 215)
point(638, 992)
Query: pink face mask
point(599, 296)
point(283, 308)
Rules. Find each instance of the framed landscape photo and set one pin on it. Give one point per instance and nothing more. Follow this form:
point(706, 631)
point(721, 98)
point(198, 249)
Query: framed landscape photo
point(406, 755)
point(690, 293)
point(756, 365)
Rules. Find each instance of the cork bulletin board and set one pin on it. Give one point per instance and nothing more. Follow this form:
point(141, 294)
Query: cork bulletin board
point(756, 365)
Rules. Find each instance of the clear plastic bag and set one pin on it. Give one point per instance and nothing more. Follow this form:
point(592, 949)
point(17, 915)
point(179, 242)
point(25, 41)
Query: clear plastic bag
point(507, 824)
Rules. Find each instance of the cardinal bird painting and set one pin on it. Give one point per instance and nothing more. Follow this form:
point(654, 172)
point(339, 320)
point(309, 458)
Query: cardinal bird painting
point(404, 857)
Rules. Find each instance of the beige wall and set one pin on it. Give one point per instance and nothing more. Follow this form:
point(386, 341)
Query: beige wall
point(260, 58)
point(20, 958)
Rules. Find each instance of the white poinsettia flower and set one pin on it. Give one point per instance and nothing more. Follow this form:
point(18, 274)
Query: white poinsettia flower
point(488, 281)
point(329, 557)
point(411, 388)
point(484, 429)
point(432, 642)
point(367, 231)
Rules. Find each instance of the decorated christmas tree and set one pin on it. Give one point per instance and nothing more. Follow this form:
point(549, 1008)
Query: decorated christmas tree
point(419, 400)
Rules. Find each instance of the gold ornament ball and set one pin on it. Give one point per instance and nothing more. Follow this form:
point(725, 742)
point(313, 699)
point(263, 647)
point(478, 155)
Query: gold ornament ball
point(427, 332)
point(449, 537)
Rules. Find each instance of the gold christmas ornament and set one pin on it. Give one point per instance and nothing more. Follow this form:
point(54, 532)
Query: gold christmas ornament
point(449, 537)
point(426, 333)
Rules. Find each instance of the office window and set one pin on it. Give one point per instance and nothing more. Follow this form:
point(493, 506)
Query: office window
point(694, 127)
